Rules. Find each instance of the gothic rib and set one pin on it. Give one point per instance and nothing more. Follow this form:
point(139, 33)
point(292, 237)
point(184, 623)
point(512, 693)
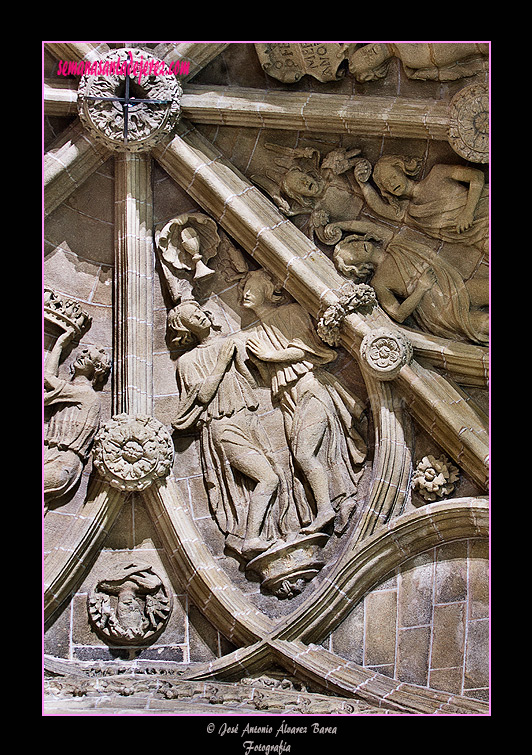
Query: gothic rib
point(309, 661)
point(321, 113)
point(208, 586)
point(66, 566)
point(291, 643)
point(69, 161)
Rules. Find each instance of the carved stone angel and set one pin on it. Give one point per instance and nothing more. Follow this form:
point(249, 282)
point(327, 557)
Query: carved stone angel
point(317, 409)
point(249, 493)
point(450, 203)
point(305, 184)
point(439, 61)
point(410, 279)
point(75, 415)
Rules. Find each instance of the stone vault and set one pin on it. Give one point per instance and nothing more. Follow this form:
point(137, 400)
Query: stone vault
point(266, 307)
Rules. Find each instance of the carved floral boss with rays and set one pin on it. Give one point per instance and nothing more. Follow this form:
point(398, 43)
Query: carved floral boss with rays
point(384, 538)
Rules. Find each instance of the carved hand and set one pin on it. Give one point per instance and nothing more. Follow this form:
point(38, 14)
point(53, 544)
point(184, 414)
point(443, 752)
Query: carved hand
point(67, 336)
point(226, 354)
point(465, 220)
point(362, 170)
point(258, 350)
point(427, 280)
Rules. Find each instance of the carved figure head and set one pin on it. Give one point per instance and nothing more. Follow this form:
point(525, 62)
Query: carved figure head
point(190, 323)
point(94, 363)
point(353, 257)
point(370, 62)
point(393, 174)
point(259, 287)
point(302, 184)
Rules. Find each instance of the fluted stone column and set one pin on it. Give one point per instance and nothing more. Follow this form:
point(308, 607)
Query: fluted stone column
point(133, 331)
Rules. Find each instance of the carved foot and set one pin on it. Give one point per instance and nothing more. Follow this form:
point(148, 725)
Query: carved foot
point(254, 546)
point(322, 520)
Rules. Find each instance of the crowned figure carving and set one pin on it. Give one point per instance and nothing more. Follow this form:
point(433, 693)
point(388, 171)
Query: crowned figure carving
point(73, 407)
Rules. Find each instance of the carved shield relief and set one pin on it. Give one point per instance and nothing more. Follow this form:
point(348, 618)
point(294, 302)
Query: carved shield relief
point(282, 453)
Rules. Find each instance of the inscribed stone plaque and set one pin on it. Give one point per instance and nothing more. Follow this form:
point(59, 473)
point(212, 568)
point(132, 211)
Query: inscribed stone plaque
point(289, 62)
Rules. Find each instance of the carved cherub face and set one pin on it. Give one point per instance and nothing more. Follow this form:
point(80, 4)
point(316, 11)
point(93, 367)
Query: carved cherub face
point(369, 62)
point(195, 320)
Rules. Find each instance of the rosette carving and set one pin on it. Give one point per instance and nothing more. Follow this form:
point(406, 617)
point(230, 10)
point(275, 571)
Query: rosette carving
point(153, 108)
point(469, 123)
point(385, 353)
point(434, 478)
point(131, 452)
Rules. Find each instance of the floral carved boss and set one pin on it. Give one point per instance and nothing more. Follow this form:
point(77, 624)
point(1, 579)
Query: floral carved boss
point(135, 116)
point(386, 352)
point(130, 452)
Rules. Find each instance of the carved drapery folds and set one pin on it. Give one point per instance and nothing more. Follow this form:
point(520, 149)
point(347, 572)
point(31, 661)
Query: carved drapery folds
point(272, 525)
point(322, 333)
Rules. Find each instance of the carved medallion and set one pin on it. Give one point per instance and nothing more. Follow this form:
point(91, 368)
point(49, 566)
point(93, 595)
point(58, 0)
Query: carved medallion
point(131, 606)
point(131, 452)
point(469, 123)
point(385, 353)
point(288, 62)
point(133, 104)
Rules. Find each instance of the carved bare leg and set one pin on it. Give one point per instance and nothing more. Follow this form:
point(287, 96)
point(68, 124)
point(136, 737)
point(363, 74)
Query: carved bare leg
point(305, 449)
point(258, 468)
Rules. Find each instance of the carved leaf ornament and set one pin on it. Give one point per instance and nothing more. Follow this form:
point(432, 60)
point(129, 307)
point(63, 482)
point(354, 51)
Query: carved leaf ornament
point(135, 452)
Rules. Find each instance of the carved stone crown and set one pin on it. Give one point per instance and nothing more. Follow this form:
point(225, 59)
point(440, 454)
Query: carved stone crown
point(65, 312)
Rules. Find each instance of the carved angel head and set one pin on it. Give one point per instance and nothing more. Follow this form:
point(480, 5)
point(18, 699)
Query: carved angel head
point(259, 287)
point(190, 323)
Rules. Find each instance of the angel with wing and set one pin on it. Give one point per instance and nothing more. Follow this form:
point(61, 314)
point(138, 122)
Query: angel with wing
point(320, 189)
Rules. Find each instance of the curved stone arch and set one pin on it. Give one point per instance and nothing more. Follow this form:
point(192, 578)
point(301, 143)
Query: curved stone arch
point(66, 566)
point(371, 560)
point(211, 590)
point(292, 643)
point(430, 400)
